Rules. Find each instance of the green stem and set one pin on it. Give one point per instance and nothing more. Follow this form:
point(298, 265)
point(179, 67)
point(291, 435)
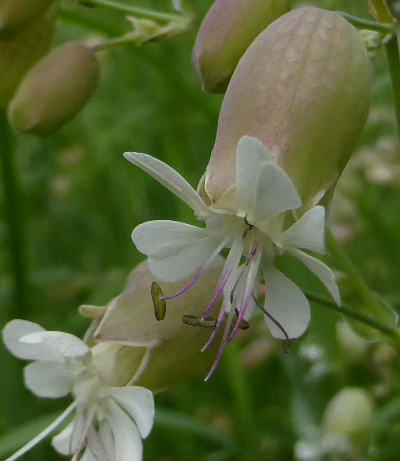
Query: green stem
point(14, 216)
point(355, 315)
point(392, 53)
point(345, 263)
point(114, 42)
point(138, 11)
point(367, 24)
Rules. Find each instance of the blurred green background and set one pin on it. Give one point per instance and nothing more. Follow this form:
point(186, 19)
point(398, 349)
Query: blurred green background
point(81, 200)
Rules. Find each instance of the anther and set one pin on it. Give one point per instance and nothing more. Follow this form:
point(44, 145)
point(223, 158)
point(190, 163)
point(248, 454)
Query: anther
point(159, 303)
point(194, 321)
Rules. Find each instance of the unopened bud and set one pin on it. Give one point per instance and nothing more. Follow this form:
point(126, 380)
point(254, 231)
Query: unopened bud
point(168, 349)
point(18, 54)
point(17, 14)
point(353, 346)
point(226, 32)
point(302, 88)
point(348, 417)
point(54, 90)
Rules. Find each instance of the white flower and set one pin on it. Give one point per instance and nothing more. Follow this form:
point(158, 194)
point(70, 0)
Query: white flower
point(109, 421)
point(252, 226)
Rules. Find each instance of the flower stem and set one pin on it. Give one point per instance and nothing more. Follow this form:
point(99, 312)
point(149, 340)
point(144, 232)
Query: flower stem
point(114, 42)
point(392, 53)
point(13, 216)
point(367, 24)
point(355, 315)
point(358, 284)
point(137, 11)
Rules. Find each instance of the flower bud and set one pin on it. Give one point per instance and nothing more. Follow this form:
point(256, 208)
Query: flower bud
point(54, 90)
point(227, 30)
point(352, 345)
point(347, 419)
point(17, 14)
point(302, 88)
point(18, 54)
point(168, 350)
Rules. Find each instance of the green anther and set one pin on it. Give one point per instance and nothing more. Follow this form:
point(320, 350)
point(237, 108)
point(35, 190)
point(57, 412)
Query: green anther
point(194, 321)
point(159, 303)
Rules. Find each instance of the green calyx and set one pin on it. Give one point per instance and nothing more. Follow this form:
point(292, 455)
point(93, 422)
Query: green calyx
point(302, 88)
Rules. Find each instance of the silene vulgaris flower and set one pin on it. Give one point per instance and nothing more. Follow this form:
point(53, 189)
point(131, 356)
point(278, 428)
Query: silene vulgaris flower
point(251, 224)
point(109, 420)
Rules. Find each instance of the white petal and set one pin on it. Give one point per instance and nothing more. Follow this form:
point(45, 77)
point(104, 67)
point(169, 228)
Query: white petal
point(158, 239)
point(82, 423)
point(58, 344)
point(62, 441)
point(170, 179)
point(47, 379)
point(322, 271)
point(14, 331)
point(107, 438)
point(286, 303)
point(308, 232)
point(95, 447)
point(175, 249)
point(128, 444)
point(139, 403)
point(263, 189)
point(88, 456)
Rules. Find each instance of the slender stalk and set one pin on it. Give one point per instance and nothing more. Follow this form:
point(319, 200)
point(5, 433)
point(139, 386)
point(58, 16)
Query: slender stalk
point(367, 24)
point(355, 315)
point(138, 11)
point(392, 53)
point(118, 41)
point(358, 284)
point(12, 205)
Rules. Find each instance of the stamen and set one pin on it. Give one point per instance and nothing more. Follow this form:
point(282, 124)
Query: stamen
point(279, 325)
point(216, 329)
point(250, 281)
point(224, 278)
point(200, 272)
point(230, 288)
point(194, 321)
point(222, 346)
point(251, 253)
point(160, 306)
point(43, 434)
